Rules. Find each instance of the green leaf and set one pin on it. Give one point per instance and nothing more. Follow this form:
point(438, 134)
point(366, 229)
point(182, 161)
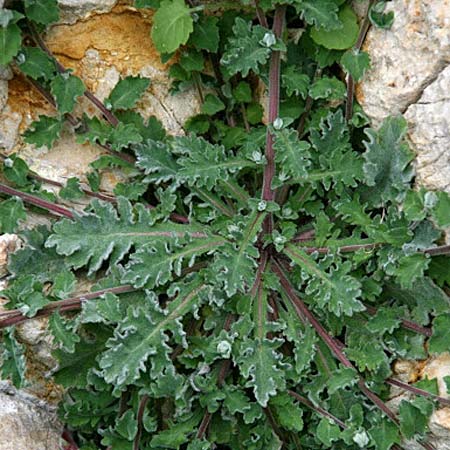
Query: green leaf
point(127, 426)
point(123, 135)
point(143, 335)
point(412, 421)
point(127, 92)
point(339, 38)
point(192, 60)
point(355, 63)
point(387, 161)
point(16, 170)
point(26, 294)
point(292, 154)
point(44, 132)
point(441, 211)
point(105, 233)
point(157, 161)
point(410, 268)
point(74, 368)
point(385, 434)
point(295, 82)
point(439, 342)
point(155, 264)
point(327, 88)
point(10, 42)
point(12, 212)
point(131, 191)
point(13, 359)
point(72, 189)
point(327, 432)
point(287, 412)
point(35, 63)
point(172, 25)
point(8, 16)
point(63, 333)
point(321, 13)
point(147, 3)
point(245, 50)
point(242, 92)
point(66, 88)
point(63, 284)
point(258, 359)
point(342, 378)
point(235, 264)
point(105, 310)
point(149, 129)
point(44, 12)
point(203, 164)
point(212, 105)
point(206, 34)
point(336, 289)
point(379, 18)
point(34, 259)
point(97, 131)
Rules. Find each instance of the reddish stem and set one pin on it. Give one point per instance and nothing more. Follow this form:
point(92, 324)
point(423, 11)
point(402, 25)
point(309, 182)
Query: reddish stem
point(15, 316)
point(140, 416)
point(303, 311)
point(37, 201)
point(109, 116)
point(417, 391)
point(317, 409)
point(274, 106)
point(408, 324)
point(261, 16)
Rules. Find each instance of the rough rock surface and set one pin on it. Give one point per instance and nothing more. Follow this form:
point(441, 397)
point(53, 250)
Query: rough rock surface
point(8, 244)
point(429, 132)
point(437, 367)
point(26, 423)
point(73, 10)
point(99, 48)
point(410, 75)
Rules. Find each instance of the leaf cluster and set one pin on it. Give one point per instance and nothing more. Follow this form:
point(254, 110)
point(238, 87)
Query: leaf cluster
point(252, 280)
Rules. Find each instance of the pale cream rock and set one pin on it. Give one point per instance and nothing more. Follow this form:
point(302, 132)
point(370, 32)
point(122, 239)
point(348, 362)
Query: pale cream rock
point(72, 10)
point(9, 243)
point(27, 423)
point(429, 132)
point(438, 367)
point(407, 58)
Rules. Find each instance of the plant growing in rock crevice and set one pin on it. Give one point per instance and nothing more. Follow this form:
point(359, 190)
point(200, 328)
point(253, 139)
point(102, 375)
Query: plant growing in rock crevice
point(252, 283)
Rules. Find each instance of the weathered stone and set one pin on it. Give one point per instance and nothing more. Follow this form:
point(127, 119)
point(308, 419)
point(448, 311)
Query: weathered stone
point(27, 423)
point(107, 46)
point(72, 10)
point(9, 243)
point(429, 133)
point(406, 58)
point(440, 428)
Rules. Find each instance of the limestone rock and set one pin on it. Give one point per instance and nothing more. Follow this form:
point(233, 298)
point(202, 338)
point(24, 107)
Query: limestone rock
point(429, 132)
point(9, 243)
point(406, 58)
point(118, 44)
point(410, 75)
point(73, 10)
point(440, 428)
point(27, 423)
